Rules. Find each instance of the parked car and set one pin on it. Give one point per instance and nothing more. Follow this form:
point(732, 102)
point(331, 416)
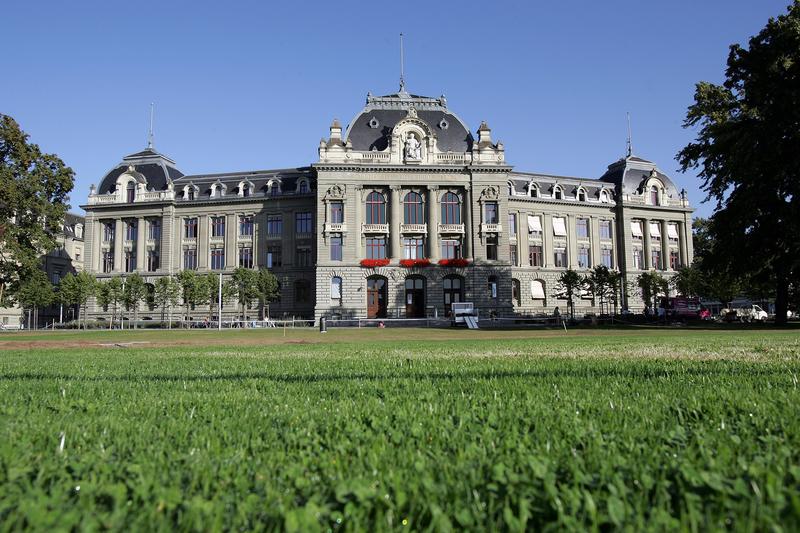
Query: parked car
point(680, 307)
point(750, 313)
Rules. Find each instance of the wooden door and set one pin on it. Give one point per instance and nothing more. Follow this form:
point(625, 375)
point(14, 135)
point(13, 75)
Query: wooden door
point(415, 297)
point(376, 297)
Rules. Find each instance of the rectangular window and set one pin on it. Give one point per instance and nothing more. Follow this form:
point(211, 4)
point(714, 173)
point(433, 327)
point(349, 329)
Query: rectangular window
point(108, 231)
point(302, 223)
point(674, 260)
point(217, 258)
point(559, 226)
point(274, 225)
point(535, 255)
point(672, 232)
point(656, 257)
point(636, 230)
point(450, 249)
point(190, 228)
point(376, 248)
point(493, 288)
point(246, 226)
point(655, 231)
point(512, 224)
point(582, 228)
point(605, 229)
point(560, 257)
point(535, 226)
point(413, 248)
point(130, 261)
point(303, 257)
point(154, 230)
point(490, 214)
point(607, 258)
point(108, 261)
point(153, 260)
point(217, 226)
point(512, 252)
point(190, 193)
point(638, 259)
point(583, 258)
point(246, 257)
point(190, 259)
point(491, 248)
point(336, 248)
point(273, 256)
point(130, 230)
point(337, 212)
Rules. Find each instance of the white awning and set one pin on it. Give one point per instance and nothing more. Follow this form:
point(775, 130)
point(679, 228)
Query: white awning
point(534, 224)
point(655, 229)
point(672, 231)
point(559, 227)
point(636, 228)
point(537, 290)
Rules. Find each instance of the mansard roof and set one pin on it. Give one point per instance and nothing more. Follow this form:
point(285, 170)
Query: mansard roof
point(155, 167)
point(372, 127)
point(629, 174)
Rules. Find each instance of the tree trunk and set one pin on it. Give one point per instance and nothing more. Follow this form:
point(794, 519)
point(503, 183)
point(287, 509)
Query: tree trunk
point(781, 299)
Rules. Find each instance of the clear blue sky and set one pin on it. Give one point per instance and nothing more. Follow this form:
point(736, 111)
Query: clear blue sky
point(255, 85)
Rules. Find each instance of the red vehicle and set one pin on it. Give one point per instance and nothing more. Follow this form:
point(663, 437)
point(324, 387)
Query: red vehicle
point(681, 307)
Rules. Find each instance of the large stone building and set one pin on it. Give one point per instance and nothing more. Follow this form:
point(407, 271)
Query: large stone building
point(404, 213)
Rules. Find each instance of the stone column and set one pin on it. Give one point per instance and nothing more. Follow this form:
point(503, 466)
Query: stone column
point(523, 245)
point(165, 246)
point(202, 242)
point(433, 223)
point(119, 234)
point(548, 246)
point(572, 242)
point(665, 246)
point(594, 241)
point(648, 258)
point(141, 244)
point(468, 231)
point(396, 220)
point(355, 234)
point(97, 246)
point(231, 231)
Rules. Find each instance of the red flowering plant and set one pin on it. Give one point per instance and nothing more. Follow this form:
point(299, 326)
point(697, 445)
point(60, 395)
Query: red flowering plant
point(411, 263)
point(372, 263)
point(455, 262)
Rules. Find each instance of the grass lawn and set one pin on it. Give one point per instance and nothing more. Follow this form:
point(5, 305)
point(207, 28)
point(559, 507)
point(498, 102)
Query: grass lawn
point(400, 429)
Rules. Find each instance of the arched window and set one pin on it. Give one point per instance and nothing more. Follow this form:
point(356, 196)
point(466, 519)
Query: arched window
point(453, 290)
point(654, 195)
point(131, 192)
point(515, 292)
point(412, 209)
point(557, 193)
point(537, 289)
point(336, 290)
point(533, 190)
point(581, 195)
point(376, 208)
point(604, 196)
point(451, 209)
point(302, 187)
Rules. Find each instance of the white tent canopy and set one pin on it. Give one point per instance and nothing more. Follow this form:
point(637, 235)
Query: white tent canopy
point(655, 229)
point(534, 224)
point(537, 289)
point(636, 228)
point(672, 230)
point(559, 227)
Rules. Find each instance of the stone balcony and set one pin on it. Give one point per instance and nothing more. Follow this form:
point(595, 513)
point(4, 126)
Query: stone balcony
point(491, 228)
point(375, 228)
point(451, 228)
point(335, 227)
point(414, 228)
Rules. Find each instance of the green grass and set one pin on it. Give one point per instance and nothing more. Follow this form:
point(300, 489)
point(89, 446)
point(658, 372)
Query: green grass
point(403, 430)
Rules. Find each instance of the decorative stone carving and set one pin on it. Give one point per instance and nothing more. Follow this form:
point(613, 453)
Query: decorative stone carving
point(412, 112)
point(490, 193)
point(413, 148)
point(335, 192)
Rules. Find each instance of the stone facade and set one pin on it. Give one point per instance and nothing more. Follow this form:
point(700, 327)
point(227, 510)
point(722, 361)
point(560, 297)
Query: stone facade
point(402, 214)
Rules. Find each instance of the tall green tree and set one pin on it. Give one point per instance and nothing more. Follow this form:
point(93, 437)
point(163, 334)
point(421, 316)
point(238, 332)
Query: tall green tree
point(76, 289)
point(110, 293)
point(166, 294)
point(268, 288)
point(570, 283)
point(191, 288)
point(34, 189)
point(245, 287)
point(34, 292)
point(748, 152)
point(651, 285)
point(599, 282)
point(135, 293)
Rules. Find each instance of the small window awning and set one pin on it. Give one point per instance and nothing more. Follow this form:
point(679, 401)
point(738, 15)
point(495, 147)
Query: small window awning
point(655, 229)
point(636, 228)
point(534, 224)
point(559, 227)
point(672, 230)
point(537, 290)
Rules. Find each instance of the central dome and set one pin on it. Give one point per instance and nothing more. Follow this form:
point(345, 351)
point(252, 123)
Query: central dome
point(372, 127)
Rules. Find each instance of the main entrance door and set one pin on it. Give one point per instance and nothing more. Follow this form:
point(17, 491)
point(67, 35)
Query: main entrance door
point(376, 297)
point(415, 297)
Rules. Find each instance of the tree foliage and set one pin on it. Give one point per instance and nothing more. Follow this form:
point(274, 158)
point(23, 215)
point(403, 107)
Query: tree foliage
point(748, 152)
point(651, 285)
point(35, 291)
point(268, 288)
point(134, 294)
point(166, 294)
point(604, 285)
point(110, 293)
point(191, 289)
point(569, 285)
point(34, 189)
point(76, 289)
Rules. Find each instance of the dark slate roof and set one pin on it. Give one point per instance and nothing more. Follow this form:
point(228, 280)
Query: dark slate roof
point(259, 178)
point(155, 167)
point(629, 173)
point(70, 220)
point(452, 134)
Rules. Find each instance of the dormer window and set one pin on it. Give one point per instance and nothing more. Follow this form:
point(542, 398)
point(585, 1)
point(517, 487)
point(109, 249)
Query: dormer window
point(558, 194)
point(190, 193)
point(604, 196)
point(274, 188)
point(302, 187)
point(533, 190)
point(245, 189)
point(654, 200)
point(218, 190)
point(130, 192)
point(581, 195)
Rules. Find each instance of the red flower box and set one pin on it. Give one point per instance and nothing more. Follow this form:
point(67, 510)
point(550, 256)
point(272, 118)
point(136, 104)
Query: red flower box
point(411, 263)
point(372, 263)
point(457, 262)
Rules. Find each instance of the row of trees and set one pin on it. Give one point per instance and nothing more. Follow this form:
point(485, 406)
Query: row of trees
point(244, 285)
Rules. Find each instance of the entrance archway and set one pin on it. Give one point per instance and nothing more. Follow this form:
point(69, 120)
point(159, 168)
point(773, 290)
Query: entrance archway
point(376, 297)
point(415, 297)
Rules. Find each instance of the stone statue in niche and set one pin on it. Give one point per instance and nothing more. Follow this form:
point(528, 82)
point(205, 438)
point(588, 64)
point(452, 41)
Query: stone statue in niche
point(413, 148)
